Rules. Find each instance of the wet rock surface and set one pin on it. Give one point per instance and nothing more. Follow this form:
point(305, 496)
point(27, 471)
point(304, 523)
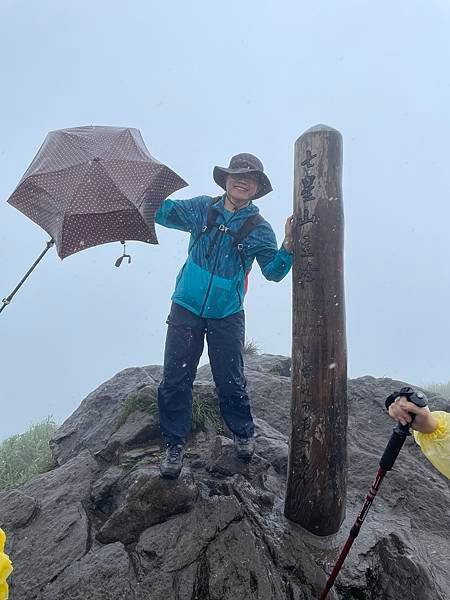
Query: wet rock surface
point(104, 525)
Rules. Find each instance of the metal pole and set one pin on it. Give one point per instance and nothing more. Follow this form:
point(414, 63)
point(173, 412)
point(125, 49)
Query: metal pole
point(8, 299)
point(390, 454)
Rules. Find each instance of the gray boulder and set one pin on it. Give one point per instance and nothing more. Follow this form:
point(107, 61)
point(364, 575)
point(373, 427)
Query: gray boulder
point(146, 500)
point(102, 573)
point(102, 524)
point(55, 529)
point(96, 419)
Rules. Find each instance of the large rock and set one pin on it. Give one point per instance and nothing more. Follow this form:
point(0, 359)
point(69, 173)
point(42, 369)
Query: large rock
point(147, 500)
point(103, 525)
point(53, 531)
point(224, 462)
point(103, 573)
point(271, 445)
point(273, 364)
point(97, 418)
point(138, 428)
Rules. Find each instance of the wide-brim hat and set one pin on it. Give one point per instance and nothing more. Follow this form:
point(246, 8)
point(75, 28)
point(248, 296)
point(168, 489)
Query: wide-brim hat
point(244, 163)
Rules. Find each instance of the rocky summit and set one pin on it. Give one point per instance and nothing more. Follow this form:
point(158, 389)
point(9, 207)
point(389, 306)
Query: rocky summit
point(102, 524)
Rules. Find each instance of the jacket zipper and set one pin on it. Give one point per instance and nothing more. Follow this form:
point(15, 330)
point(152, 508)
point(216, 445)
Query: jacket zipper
point(214, 267)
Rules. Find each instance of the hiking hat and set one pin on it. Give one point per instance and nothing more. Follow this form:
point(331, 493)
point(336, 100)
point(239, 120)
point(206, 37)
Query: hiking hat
point(244, 163)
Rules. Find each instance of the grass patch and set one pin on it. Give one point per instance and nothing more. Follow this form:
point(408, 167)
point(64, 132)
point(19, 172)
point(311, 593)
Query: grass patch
point(27, 454)
point(144, 400)
point(251, 349)
point(203, 410)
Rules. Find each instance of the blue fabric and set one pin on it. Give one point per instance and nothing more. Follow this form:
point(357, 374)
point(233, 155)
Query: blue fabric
point(184, 345)
point(211, 284)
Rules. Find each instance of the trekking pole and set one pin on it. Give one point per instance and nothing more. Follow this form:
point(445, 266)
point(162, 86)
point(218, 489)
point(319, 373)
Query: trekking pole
point(398, 437)
point(8, 299)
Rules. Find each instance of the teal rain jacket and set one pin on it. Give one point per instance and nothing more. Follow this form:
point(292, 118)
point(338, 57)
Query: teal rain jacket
point(212, 281)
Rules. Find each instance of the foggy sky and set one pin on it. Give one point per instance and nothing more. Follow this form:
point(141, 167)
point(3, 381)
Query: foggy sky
point(203, 81)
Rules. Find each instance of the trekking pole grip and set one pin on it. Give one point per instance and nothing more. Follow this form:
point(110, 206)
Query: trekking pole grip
point(394, 446)
point(401, 432)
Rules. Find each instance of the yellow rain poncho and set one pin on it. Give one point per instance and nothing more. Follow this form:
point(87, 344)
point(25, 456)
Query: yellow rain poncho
point(436, 445)
point(5, 567)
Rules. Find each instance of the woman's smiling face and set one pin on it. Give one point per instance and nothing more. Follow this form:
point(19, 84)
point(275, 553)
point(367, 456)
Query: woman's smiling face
point(243, 187)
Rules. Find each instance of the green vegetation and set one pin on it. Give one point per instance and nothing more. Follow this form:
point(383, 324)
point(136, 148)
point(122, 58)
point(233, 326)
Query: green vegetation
point(27, 454)
point(251, 349)
point(438, 388)
point(144, 400)
point(203, 409)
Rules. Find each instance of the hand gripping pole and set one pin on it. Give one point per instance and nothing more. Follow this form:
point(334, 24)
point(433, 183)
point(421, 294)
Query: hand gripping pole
point(392, 450)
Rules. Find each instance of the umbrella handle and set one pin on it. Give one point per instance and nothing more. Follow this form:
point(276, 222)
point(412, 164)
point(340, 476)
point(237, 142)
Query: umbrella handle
point(124, 255)
point(8, 299)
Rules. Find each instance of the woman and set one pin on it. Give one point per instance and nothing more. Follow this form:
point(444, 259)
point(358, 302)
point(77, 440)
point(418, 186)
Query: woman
point(226, 235)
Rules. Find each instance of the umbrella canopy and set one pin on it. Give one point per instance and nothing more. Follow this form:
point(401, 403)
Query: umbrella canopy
point(92, 185)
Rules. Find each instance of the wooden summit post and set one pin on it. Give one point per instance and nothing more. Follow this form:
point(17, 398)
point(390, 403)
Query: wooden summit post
point(317, 472)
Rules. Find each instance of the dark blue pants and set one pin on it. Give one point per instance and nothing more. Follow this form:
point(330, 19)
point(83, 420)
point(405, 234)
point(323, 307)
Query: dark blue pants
point(184, 346)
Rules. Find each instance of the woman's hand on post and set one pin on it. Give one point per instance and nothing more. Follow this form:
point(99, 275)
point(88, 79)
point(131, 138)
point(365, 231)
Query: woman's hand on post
point(288, 241)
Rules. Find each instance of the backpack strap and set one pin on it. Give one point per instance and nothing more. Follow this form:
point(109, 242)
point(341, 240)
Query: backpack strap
point(212, 214)
point(245, 230)
point(211, 218)
point(240, 235)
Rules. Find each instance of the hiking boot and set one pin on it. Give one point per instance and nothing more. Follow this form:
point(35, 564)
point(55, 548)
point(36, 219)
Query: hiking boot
point(172, 463)
point(245, 447)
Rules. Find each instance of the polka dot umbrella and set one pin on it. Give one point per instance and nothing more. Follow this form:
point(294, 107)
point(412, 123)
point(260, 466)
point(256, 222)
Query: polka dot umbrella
point(92, 185)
